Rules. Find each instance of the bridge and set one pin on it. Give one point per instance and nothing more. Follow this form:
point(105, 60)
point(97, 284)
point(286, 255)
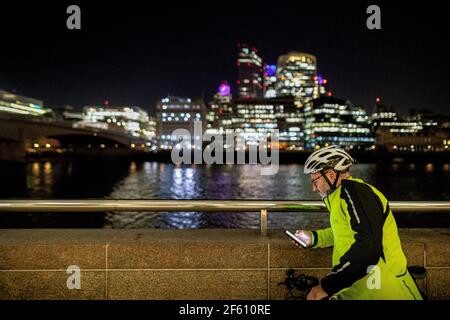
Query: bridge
point(18, 131)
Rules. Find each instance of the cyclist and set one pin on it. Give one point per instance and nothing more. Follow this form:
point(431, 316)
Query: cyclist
point(368, 260)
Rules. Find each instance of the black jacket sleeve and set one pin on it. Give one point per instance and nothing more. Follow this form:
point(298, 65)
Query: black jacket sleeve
point(366, 218)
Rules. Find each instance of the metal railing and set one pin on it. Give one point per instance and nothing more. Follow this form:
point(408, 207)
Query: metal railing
point(261, 206)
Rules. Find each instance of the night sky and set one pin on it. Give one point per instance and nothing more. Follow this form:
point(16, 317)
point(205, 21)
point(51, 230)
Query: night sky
point(135, 52)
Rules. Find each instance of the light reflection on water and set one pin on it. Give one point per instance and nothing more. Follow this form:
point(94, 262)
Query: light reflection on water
point(165, 181)
point(152, 180)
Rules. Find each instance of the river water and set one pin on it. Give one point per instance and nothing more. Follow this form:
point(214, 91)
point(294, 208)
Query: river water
point(153, 180)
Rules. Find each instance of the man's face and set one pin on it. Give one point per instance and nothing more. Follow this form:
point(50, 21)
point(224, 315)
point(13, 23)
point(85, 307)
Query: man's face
point(319, 184)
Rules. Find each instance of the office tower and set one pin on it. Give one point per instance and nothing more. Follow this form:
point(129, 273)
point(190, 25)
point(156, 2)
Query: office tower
point(296, 77)
point(250, 82)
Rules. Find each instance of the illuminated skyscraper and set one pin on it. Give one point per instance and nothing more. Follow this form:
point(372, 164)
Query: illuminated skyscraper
point(174, 113)
point(254, 119)
point(332, 121)
point(250, 82)
point(324, 86)
point(270, 80)
point(297, 77)
point(219, 111)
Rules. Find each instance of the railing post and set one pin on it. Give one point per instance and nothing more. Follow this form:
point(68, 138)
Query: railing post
point(263, 223)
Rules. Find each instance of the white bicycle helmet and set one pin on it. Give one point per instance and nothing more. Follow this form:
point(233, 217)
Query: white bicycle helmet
point(331, 157)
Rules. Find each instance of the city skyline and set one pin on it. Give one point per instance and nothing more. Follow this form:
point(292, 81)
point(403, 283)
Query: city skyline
point(110, 58)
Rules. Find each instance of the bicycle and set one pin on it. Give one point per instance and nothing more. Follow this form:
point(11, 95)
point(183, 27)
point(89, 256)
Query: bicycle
point(299, 286)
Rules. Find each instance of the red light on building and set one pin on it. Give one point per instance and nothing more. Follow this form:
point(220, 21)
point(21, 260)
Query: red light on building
point(329, 94)
point(378, 100)
point(106, 103)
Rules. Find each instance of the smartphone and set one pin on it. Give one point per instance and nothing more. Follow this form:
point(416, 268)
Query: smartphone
point(293, 237)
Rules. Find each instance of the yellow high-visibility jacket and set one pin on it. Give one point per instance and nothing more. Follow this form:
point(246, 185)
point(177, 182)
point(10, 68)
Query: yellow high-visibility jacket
point(368, 259)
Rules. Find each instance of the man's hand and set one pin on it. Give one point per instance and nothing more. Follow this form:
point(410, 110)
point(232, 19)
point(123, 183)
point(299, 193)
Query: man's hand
point(306, 236)
point(316, 293)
